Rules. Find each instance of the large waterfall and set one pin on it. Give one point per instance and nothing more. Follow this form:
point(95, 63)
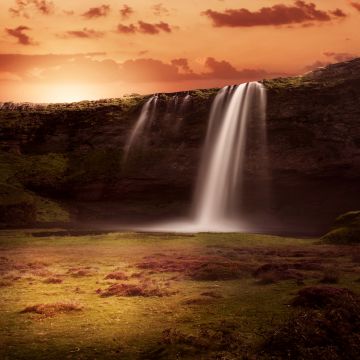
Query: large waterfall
point(237, 120)
point(219, 188)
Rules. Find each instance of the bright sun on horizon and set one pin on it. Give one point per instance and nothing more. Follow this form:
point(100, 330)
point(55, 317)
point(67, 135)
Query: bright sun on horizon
point(68, 93)
point(111, 48)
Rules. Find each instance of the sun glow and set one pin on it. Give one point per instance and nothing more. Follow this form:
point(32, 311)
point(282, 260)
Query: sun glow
point(66, 93)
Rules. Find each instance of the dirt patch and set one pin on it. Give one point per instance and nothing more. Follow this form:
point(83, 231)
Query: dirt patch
point(49, 310)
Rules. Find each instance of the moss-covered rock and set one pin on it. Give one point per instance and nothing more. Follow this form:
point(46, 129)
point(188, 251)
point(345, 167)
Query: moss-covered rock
point(346, 229)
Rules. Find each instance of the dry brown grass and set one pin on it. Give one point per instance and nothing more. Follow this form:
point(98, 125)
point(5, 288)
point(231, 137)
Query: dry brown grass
point(330, 276)
point(117, 275)
point(143, 289)
point(321, 296)
point(211, 294)
point(199, 268)
point(274, 272)
point(5, 283)
point(53, 280)
point(49, 310)
point(81, 271)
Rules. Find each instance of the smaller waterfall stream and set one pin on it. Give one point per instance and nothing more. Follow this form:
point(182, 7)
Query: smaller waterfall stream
point(144, 120)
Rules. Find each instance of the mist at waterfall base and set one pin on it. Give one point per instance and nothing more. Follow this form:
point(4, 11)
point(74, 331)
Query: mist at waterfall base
point(237, 120)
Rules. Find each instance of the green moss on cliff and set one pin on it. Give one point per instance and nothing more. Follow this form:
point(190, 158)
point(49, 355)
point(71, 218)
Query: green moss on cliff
point(346, 229)
point(286, 82)
point(19, 205)
point(50, 211)
point(95, 164)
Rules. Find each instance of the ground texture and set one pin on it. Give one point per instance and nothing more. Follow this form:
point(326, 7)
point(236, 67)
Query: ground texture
point(168, 296)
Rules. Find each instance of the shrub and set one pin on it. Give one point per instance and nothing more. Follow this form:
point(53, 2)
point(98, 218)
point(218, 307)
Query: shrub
point(49, 310)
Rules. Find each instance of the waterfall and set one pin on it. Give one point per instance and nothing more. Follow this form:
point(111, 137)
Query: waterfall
point(144, 121)
point(219, 188)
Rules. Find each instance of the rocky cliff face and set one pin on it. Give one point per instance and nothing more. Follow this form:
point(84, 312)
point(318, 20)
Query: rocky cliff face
point(63, 159)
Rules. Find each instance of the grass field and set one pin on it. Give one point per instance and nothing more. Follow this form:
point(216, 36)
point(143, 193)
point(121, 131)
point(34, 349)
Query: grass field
point(156, 296)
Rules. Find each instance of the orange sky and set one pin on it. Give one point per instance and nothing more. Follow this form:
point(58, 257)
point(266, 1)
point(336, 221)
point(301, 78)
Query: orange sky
point(66, 50)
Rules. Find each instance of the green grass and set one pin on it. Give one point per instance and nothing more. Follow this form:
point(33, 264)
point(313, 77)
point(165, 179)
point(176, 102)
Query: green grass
point(128, 327)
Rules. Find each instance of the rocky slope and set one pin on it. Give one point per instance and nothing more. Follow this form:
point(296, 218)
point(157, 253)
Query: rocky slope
point(64, 162)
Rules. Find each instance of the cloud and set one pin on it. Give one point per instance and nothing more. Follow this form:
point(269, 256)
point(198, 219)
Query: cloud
point(19, 34)
point(84, 68)
point(126, 11)
point(333, 57)
point(160, 10)
point(85, 33)
point(182, 64)
point(281, 14)
point(340, 57)
point(26, 7)
point(69, 12)
point(96, 12)
point(145, 28)
point(355, 5)
point(315, 65)
point(148, 28)
point(126, 29)
point(8, 76)
point(152, 70)
point(224, 70)
point(87, 68)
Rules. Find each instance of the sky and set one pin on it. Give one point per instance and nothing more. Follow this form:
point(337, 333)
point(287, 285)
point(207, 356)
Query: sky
point(66, 50)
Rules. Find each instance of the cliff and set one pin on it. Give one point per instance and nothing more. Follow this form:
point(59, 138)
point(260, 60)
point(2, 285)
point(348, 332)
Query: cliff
point(64, 162)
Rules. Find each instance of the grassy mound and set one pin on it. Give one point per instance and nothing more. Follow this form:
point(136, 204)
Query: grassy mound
point(346, 229)
point(49, 310)
point(126, 290)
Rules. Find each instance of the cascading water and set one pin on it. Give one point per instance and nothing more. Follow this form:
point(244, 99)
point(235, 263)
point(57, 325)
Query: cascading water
point(220, 178)
point(237, 115)
point(145, 119)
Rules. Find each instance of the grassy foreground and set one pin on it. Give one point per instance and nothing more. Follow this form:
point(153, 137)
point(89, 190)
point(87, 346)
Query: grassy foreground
point(155, 296)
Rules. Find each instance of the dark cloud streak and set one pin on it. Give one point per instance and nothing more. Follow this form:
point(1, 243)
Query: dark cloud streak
point(96, 12)
point(281, 14)
point(20, 35)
